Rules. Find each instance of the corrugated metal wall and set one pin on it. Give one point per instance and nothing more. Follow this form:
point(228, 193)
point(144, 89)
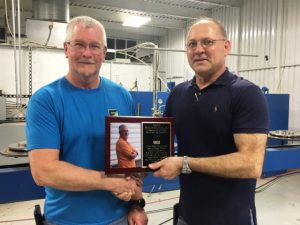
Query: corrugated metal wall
point(269, 29)
point(175, 60)
point(229, 17)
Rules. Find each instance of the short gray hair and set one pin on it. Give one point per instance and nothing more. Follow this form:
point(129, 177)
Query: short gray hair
point(85, 21)
point(215, 21)
point(121, 127)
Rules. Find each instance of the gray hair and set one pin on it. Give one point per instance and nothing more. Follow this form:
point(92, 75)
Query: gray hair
point(86, 22)
point(209, 19)
point(121, 127)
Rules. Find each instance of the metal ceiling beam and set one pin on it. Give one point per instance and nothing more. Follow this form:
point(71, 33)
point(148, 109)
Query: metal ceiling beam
point(212, 3)
point(154, 8)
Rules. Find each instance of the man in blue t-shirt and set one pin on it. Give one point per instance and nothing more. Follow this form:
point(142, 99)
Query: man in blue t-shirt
point(221, 125)
point(65, 138)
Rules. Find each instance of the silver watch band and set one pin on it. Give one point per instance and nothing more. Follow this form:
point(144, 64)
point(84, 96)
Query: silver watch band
point(185, 166)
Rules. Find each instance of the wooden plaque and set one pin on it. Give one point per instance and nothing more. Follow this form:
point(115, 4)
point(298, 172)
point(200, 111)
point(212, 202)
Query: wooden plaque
point(132, 143)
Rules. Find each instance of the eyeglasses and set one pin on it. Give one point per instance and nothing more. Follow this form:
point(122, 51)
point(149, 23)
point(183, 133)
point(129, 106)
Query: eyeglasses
point(80, 46)
point(205, 43)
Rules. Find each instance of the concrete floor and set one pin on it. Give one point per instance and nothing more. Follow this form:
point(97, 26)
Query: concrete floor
point(277, 205)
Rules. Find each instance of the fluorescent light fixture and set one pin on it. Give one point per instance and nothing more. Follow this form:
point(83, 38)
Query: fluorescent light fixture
point(136, 21)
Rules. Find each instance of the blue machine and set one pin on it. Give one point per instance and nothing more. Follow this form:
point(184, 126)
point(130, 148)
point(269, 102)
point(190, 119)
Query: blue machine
point(143, 102)
point(279, 158)
point(17, 183)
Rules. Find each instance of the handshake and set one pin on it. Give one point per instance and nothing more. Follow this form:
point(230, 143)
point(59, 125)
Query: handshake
point(129, 186)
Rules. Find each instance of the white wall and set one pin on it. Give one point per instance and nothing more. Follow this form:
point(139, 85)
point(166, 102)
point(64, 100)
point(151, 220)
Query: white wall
point(271, 28)
point(230, 16)
point(267, 29)
point(176, 63)
point(47, 65)
point(50, 64)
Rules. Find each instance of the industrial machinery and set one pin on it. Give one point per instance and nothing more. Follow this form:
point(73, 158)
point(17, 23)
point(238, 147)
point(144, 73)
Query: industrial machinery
point(283, 148)
point(17, 183)
point(15, 150)
point(282, 153)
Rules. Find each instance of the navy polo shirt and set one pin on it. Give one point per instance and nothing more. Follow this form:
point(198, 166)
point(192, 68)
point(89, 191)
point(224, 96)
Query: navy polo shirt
point(205, 121)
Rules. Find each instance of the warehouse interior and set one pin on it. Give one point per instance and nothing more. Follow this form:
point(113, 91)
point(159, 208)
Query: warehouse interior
point(149, 61)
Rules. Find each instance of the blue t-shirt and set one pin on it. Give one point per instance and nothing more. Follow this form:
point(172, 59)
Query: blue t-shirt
point(205, 122)
point(62, 116)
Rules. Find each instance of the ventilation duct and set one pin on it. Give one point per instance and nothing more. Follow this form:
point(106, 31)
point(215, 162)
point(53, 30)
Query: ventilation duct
point(51, 10)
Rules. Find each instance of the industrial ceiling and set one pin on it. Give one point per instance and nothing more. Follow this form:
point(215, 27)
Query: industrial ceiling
point(164, 14)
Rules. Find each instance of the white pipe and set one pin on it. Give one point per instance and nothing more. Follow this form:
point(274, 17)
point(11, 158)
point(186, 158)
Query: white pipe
point(155, 63)
point(20, 55)
point(15, 52)
point(255, 69)
point(269, 67)
point(290, 65)
point(182, 50)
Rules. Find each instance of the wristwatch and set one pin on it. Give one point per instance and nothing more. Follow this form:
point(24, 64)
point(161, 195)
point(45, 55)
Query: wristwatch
point(185, 166)
point(138, 202)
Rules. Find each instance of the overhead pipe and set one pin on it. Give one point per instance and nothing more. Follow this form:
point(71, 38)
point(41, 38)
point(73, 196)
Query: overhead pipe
point(182, 50)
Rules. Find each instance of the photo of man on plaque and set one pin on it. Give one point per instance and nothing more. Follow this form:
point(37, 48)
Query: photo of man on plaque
point(132, 143)
point(126, 153)
point(126, 149)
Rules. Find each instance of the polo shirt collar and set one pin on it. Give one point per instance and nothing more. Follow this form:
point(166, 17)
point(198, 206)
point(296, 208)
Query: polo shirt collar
point(222, 80)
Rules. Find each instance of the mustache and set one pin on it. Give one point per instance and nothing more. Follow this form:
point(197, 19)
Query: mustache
point(200, 58)
point(86, 61)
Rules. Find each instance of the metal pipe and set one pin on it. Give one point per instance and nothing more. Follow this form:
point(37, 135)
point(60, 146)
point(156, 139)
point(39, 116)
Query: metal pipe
point(112, 8)
point(182, 50)
point(269, 68)
point(254, 69)
point(148, 48)
point(290, 65)
point(154, 97)
point(20, 56)
point(15, 52)
point(162, 49)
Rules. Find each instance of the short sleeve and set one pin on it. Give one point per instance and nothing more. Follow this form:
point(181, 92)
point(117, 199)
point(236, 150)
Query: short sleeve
point(250, 111)
point(42, 128)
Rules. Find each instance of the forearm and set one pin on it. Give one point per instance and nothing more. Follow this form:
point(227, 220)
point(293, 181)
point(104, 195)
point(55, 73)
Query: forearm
point(48, 170)
point(127, 153)
point(65, 176)
point(247, 162)
point(235, 165)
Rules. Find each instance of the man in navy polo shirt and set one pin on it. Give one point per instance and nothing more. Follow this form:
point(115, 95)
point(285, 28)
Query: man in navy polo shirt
point(221, 124)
